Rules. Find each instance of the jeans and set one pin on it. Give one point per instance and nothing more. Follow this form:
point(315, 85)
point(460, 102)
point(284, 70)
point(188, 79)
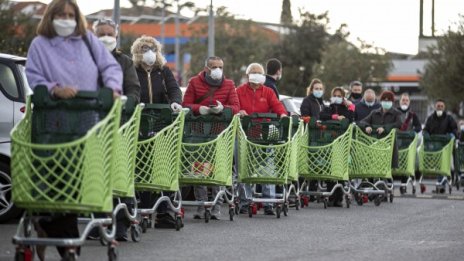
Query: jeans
point(268, 191)
point(201, 194)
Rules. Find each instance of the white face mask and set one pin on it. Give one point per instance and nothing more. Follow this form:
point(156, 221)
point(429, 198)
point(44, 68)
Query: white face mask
point(336, 100)
point(64, 27)
point(404, 107)
point(256, 78)
point(109, 42)
point(149, 58)
point(439, 113)
point(370, 104)
point(216, 73)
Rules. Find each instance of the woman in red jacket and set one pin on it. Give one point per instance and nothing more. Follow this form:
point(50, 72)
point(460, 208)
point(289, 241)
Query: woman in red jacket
point(255, 97)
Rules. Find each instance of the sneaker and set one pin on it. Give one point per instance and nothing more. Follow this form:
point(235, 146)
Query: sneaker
point(164, 220)
point(269, 211)
point(200, 213)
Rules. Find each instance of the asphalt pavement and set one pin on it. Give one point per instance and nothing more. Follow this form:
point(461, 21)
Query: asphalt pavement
point(410, 228)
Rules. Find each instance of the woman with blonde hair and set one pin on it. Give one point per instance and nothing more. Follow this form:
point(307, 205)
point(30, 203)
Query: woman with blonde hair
point(158, 84)
point(313, 104)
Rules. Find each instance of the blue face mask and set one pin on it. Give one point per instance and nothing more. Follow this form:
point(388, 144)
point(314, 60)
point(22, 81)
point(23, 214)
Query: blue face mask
point(336, 100)
point(386, 104)
point(318, 94)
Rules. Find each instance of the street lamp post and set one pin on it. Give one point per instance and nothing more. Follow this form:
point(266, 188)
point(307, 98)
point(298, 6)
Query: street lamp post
point(117, 20)
point(162, 21)
point(211, 31)
point(177, 44)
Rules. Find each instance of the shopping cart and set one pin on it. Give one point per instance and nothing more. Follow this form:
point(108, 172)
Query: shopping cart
point(265, 151)
point(158, 160)
point(435, 154)
point(371, 162)
point(123, 166)
point(207, 157)
point(407, 149)
point(61, 163)
point(323, 157)
point(459, 164)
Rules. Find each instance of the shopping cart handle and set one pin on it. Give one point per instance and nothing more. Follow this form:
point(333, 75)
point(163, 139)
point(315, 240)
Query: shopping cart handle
point(264, 115)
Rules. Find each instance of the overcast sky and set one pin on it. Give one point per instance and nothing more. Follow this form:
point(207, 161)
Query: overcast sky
point(390, 24)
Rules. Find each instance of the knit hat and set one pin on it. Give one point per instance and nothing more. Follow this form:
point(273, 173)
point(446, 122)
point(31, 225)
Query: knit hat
point(387, 96)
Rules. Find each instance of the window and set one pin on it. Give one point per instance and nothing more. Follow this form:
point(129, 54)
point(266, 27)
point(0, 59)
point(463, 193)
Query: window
point(7, 82)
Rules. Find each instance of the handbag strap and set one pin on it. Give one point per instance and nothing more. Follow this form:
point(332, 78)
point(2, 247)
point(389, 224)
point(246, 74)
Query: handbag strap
point(209, 93)
point(87, 43)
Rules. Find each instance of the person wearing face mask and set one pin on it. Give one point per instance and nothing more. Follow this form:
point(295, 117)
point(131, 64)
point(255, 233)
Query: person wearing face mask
point(384, 119)
point(157, 82)
point(67, 58)
point(440, 122)
point(313, 103)
point(339, 108)
point(107, 32)
point(409, 118)
point(273, 74)
point(355, 92)
point(255, 97)
point(210, 92)
point(366, 105)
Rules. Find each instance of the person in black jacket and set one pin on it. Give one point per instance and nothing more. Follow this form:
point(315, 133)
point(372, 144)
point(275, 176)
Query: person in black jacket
point(356, 89)
point(409, 119)
point(366, 105)
point(106, 31)
point(313, 104)
point(440, 123)
point(273, 74)
point(384, 119)
point(339, 108)
point(158, 84)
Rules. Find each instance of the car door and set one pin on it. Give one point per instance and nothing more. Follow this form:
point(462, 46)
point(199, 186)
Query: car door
point(8, 94)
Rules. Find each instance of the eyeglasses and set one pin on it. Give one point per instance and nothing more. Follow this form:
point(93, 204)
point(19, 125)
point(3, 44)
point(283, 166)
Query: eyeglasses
point(107, 21)
point(146, 48)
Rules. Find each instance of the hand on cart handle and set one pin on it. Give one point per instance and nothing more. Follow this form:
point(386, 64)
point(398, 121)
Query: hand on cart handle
point(175, 107)
point(65, 92)
point(242, 113)
point(380, 130)
point(217, 109)
point(368, 130)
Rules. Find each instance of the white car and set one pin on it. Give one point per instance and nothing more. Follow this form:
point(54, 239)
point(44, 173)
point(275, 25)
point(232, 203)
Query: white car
point(13, 91)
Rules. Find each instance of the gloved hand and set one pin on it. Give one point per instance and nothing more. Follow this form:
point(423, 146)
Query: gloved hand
point(217, 109)
point(204, 110)
point(175, 107)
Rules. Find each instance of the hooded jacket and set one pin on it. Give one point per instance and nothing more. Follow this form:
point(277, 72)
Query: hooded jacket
point(261, 100)
point(198, 87)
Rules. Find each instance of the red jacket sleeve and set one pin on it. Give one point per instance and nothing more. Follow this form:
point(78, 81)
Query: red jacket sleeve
point(232, 100)
point(189, 97)
point(276, 105)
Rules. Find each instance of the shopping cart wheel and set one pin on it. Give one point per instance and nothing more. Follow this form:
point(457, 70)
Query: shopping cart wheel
point(144, 225)
point(70, 255)
point(250, 211)
point(112, 253)
point(326, 203)
point(297, 204)
point(414, 190)
point(207, 215)
point(358, 198)
point(231, 214)
point(422, 188)
point(377, 200)
point(402, 190)
point(178, 223)
point(391, 197)
point(285, 209)
point(135, 231)
point(278, 210)
point(450, 189)
point(24, 254)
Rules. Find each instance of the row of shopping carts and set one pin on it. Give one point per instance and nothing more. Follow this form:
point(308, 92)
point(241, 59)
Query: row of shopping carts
point(92, 155)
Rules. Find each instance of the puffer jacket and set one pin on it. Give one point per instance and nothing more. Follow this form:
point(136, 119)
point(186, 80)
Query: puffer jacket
point(198, 87)
point(261, 100)
point(164, 87)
